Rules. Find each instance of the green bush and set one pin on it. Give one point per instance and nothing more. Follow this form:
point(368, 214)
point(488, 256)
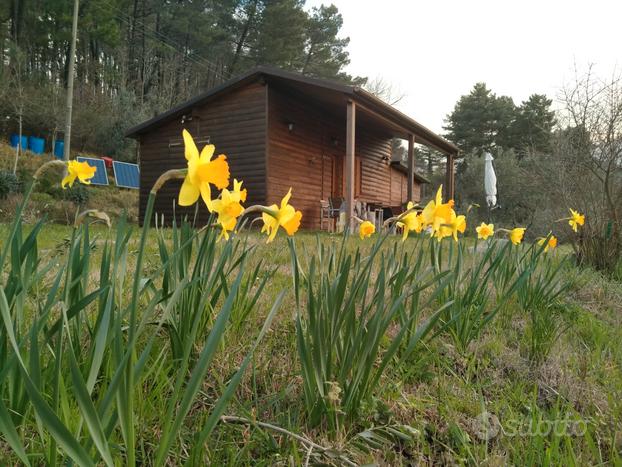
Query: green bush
point(77, 194)
point(8, 184)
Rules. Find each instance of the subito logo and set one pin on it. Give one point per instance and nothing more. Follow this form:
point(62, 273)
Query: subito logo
point(486, 426)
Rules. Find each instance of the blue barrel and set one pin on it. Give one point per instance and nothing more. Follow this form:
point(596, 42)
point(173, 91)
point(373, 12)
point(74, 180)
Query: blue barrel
point(36, 145)
point(14, 139)
point(59, 149)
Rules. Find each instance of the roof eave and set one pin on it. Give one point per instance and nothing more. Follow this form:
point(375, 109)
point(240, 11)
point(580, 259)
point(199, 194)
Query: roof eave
point(425, 135)
point(430, 138)
point(182, 108)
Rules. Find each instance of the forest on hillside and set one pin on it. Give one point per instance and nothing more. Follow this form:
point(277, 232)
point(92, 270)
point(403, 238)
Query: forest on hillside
point(137, 58)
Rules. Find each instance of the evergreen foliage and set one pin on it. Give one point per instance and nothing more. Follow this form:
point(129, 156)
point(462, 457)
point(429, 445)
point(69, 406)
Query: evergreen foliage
point(137, 58)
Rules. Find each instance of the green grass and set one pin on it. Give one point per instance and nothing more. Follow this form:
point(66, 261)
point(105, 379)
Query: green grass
point(427, 408)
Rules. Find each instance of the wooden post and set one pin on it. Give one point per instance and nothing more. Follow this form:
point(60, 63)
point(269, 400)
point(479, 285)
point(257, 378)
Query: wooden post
point(349, 172)
point(411, 168)
point(449, 178)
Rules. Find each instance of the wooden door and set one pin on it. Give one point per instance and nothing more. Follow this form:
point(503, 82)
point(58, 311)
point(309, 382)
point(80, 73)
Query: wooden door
point(358, 176)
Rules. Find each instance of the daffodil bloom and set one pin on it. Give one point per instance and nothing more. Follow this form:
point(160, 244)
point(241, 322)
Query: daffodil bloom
point(410, 222)
point(284, 216)
point(229, 207)
point(202, 171)
point(437, 213)
point(552, 243)
point(456, 224)
point(516, 235)
point(80, 170)
point(237, 188)
point(366, 229)
point(576, 219)
point(485, 230)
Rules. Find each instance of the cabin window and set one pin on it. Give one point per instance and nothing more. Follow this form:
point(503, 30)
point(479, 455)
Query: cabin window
point(176, 145)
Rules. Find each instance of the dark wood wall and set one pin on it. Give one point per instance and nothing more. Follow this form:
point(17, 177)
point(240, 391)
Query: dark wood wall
point(250, 126)
point(379, 181)
point(235, 123)
point(310, 157)
point(300, 158)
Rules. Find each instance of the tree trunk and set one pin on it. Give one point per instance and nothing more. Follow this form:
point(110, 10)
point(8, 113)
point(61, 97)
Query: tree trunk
point(308, 59)
point(17, 18)
point(250, 17)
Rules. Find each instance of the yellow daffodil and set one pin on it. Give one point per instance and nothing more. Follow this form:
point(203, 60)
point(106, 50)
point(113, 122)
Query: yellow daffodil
point(437, 213)
point(516, 235)
point(285, 216)
point(576, 219)
point(552, 243)
point(202, 171)
point(456, 224)
point(229, 207)
point(237, 188)
point(366, 229)
point(410, 222)
point(485, 230)
point(80, 170)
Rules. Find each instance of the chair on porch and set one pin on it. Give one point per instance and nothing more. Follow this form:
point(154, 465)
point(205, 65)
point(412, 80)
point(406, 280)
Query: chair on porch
point(325, 215)
point(379, 218)
point(375, 214)
point(334, 204)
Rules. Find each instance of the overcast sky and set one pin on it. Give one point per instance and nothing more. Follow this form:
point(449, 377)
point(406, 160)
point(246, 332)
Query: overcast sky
point(434, 51)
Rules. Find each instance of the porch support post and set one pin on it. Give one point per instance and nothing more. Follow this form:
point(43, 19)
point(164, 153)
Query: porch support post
point(349, 172)
point(411, 168)
point(449, 178)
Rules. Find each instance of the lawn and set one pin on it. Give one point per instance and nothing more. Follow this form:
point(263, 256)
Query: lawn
point(476, 394)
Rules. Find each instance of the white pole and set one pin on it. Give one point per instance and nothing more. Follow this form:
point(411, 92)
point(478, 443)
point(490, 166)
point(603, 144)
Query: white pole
point(70, 72)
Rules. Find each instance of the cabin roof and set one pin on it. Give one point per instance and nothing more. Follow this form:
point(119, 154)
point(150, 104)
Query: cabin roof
point(322, 90)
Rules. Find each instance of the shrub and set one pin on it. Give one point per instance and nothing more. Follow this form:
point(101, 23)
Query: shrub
point(77, 194)
point(8, 184)
point(600, 246)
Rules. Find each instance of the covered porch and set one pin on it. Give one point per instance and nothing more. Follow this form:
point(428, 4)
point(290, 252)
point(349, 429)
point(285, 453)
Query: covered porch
point(365, 110)
point(333, 144)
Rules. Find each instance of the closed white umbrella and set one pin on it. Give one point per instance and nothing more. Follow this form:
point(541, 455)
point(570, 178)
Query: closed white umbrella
point(490, 181)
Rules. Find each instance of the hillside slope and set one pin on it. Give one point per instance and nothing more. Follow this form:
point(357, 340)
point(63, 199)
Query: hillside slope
point(58, 205)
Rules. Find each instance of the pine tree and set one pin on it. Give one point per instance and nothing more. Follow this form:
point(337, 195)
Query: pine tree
point(279, 37)
point(534, 124)
point(481, 121)
point(325, 52)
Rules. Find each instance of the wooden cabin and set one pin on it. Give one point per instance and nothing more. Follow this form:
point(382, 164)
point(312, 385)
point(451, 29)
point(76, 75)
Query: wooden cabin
point(280, 130)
